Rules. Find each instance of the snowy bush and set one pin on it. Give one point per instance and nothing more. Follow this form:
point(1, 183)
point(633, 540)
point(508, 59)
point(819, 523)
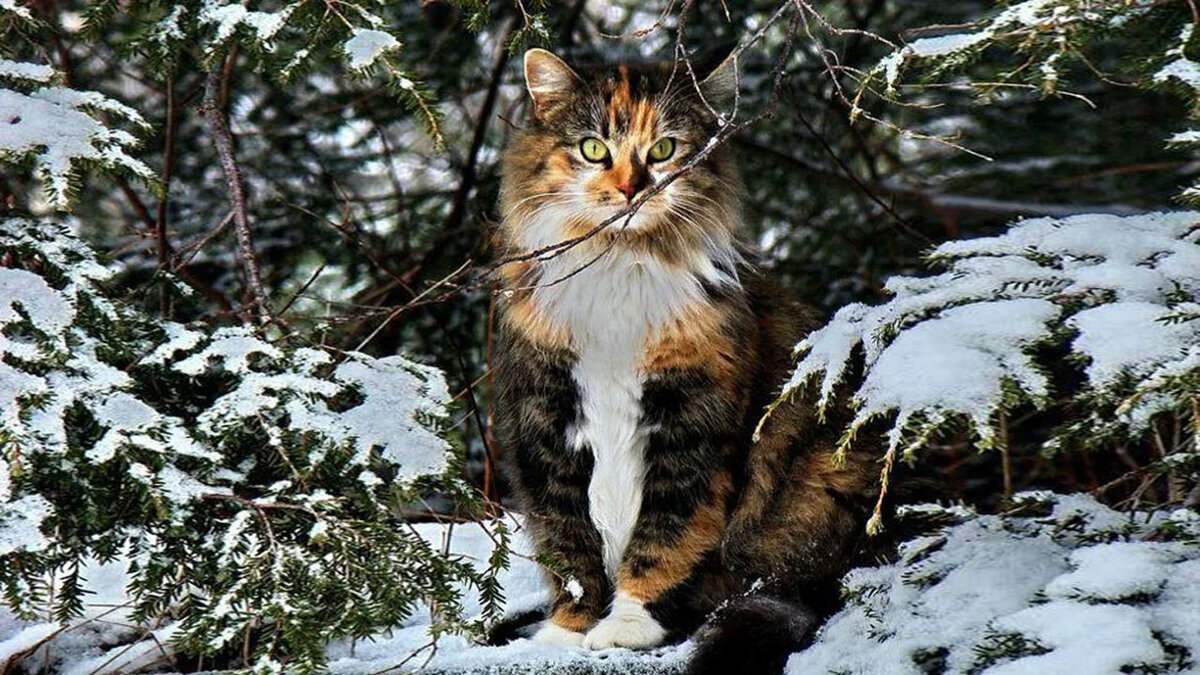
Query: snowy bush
point(1064, 584)
point(251, 489)
point(1119, 294)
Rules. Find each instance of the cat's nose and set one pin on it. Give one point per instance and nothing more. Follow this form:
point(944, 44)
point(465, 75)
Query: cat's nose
point(630, 186)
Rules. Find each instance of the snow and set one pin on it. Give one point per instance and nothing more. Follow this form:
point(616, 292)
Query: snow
point(525, 589)
point(1069, 630)
point(46, 308)
point(84, 644)
point(103, 633)
point(168, 28)
point(1085, 589)
point(1022, 15)
point(398, 396)
point(26, 640)
point(1180, 68)
point(1185, 137)
point(232, 348)
point(1114, 571)
point(227, 19)
point(395, 392)
point(53, 362)
point(522, 657)
point(574, 588)
point(25, 71)
point(51, 125)
point(967, 350)
point(1130, 337)
point(154, 649)
point(12, 6)
point(1045, 581)
point(366, 45)
point(955, 344)
point(20, 525)
point(945, 44)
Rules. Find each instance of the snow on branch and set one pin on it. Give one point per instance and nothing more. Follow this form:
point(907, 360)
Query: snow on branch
point(1048, 26)
point(1118, 291)
point(367, 45)
point(57, 128)
point(290, 394)
point(1052, 39)
point(14, 8)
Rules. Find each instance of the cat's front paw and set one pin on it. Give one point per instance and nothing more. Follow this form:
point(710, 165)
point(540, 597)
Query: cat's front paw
point(552, 634)
point(627, 625)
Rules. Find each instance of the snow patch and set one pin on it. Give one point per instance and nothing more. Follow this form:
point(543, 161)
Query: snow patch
point(20, 525)
point(1006, 594)
point(52, 126)
point(366, 45)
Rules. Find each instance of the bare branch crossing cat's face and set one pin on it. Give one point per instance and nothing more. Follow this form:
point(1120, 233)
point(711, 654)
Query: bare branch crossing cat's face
point(599, 140)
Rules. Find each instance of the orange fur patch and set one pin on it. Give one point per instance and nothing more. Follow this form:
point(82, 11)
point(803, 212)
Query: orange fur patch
point(695, 340)
point(573, 618)
point(524, 315)
point(675, 563)
point(644, 122)
point(622, 97)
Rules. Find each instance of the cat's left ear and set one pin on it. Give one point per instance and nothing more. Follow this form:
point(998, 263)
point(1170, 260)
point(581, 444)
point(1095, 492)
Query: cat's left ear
point(719, 82)
point(548, 78)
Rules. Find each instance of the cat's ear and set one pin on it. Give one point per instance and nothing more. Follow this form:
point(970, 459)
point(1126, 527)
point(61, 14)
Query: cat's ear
point(548, 78)
point(720, 81)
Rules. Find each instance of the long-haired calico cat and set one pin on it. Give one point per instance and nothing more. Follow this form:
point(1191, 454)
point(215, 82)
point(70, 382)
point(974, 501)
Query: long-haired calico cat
point(632, 369)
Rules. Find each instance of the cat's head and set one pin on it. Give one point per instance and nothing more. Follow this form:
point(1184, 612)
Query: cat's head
point(600, 138)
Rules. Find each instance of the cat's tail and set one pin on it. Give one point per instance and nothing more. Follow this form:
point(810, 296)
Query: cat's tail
point(752, 635)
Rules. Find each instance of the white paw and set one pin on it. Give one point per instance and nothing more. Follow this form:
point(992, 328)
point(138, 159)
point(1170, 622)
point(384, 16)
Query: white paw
point(627, 625)
point(553, 634)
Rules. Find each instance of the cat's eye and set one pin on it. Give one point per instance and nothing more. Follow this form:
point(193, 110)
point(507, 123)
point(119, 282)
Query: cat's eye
point(662, 150)
point(593, 149)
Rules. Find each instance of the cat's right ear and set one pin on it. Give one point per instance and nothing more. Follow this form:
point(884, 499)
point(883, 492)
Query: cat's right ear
point(548, 78)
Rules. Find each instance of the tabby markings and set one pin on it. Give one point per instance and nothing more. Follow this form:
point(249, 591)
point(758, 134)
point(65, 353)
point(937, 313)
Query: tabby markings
point(610, 309)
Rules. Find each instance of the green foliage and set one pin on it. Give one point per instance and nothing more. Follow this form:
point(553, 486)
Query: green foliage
point(257, 492)
point(999, 647)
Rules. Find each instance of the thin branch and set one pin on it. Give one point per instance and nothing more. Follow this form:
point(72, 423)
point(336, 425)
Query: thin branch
point(458, 209)
point(160, 222)
point(185, 255)
point(214, 84)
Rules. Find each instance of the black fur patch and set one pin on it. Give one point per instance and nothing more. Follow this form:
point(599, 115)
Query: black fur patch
point(752, 636)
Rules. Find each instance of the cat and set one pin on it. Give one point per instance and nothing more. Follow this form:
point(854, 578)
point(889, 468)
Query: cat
point(633, 367)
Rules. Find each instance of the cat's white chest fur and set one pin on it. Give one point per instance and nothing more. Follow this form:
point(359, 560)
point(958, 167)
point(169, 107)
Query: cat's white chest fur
point(611, 308)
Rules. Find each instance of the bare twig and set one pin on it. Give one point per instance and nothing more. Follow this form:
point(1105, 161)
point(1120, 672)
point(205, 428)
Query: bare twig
point(160, 222)
point(459, 206)
point(223, 139)
point(185, 255)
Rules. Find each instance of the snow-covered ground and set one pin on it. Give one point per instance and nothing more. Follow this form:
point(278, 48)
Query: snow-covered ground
point(1082, 589)
point(1071, 587)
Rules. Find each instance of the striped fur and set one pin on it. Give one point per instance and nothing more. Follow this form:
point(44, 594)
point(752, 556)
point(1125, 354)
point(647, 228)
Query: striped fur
point(632, 369)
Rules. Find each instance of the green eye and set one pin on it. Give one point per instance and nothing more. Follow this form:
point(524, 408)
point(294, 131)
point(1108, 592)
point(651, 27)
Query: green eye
point(662, 150)
point(593, 149)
